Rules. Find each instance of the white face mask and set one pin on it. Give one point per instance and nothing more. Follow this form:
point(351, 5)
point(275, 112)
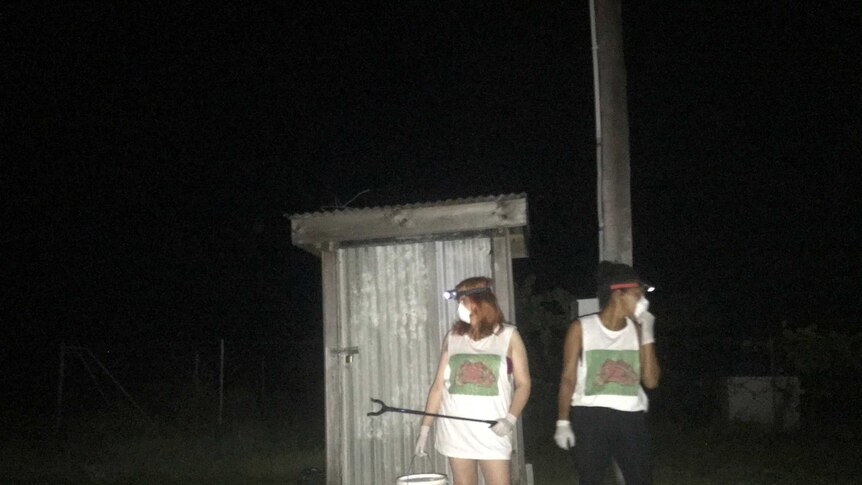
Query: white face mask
point(463, 312)
point(641, 307)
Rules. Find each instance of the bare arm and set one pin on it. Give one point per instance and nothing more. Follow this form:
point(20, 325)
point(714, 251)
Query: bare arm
point(521, 373)
point(650, 371)
point(435, 393)
point(569, 376)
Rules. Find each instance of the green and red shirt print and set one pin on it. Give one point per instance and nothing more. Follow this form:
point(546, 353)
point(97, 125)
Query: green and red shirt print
point(612, 372)
point(474, 374)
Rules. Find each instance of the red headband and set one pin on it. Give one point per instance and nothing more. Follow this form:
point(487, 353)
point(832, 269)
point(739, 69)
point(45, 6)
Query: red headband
point(619, 286)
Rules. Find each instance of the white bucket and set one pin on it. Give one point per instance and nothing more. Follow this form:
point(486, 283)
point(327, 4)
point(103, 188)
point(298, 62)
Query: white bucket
point(423, 478)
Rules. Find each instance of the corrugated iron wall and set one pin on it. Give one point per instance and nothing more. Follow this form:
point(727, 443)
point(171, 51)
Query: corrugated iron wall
point(391, 310)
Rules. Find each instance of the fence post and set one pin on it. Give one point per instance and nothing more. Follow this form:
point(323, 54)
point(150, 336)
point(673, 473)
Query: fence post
point(262, 380)
point(196, 379)
point(60, 379)
point(221, 384)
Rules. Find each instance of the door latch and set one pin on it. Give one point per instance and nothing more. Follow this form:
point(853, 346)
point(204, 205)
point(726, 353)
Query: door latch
point(347, 352)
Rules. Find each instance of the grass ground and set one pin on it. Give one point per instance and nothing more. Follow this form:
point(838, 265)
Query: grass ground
point(272, 452)
point(699, 455)
point(250, 456)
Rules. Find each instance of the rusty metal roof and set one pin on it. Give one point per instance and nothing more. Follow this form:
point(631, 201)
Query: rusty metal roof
point(445, 202)
point(446, 219)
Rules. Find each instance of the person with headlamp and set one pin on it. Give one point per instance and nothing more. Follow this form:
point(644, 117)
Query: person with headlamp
point(608, 359)
point(482, 374)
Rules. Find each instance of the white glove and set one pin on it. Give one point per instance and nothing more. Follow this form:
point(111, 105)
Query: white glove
point(420, 442)
point(564, 436)
point(647, 324)
point(505, 425)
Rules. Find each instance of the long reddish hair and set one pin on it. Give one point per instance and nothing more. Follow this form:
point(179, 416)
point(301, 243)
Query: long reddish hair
point(483, 305)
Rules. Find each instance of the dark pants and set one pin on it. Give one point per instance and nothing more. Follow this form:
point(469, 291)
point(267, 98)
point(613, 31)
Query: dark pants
point(603, 433)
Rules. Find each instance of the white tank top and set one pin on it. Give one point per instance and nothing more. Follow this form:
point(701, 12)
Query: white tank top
point(609, 368)
point(477, 384)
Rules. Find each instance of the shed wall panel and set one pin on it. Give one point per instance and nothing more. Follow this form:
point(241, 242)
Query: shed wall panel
point(391, 311)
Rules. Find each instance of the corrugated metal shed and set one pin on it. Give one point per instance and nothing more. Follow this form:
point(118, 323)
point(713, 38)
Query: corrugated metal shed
point(383, 273)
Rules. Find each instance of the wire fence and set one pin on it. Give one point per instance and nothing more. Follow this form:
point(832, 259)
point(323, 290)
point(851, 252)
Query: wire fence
point(211, 382)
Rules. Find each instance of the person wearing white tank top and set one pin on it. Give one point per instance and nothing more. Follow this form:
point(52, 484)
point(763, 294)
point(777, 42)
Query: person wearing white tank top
point(482, 374)
point(609, 358)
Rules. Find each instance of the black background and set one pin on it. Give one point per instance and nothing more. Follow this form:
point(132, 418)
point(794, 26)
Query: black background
point(153, 149)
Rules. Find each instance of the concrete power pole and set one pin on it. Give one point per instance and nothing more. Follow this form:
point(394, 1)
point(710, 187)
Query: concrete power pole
point(612, 140)
point(612, 132)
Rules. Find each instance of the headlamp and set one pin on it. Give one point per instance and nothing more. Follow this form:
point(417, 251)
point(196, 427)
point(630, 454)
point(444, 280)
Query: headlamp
point(458, 294)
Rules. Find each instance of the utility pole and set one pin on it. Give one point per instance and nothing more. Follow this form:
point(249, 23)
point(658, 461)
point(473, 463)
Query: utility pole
point(612, 132)
point(612, 139)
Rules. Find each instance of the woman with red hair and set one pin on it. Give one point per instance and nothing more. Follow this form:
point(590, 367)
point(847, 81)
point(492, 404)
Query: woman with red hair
point(482, 374)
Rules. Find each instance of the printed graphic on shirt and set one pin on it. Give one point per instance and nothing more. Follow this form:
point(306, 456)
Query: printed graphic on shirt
point(474, 374)
point(612, 372)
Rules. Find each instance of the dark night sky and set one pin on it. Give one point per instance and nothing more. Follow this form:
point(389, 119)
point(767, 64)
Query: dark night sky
point(155, 149)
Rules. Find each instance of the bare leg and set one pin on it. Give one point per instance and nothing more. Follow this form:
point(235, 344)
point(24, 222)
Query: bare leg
point(496, 472)
point(464, 471)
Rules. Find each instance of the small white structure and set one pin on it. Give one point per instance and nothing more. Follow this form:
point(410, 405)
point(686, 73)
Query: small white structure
point(384, 270)
point(765, 400)
point(583, 307)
